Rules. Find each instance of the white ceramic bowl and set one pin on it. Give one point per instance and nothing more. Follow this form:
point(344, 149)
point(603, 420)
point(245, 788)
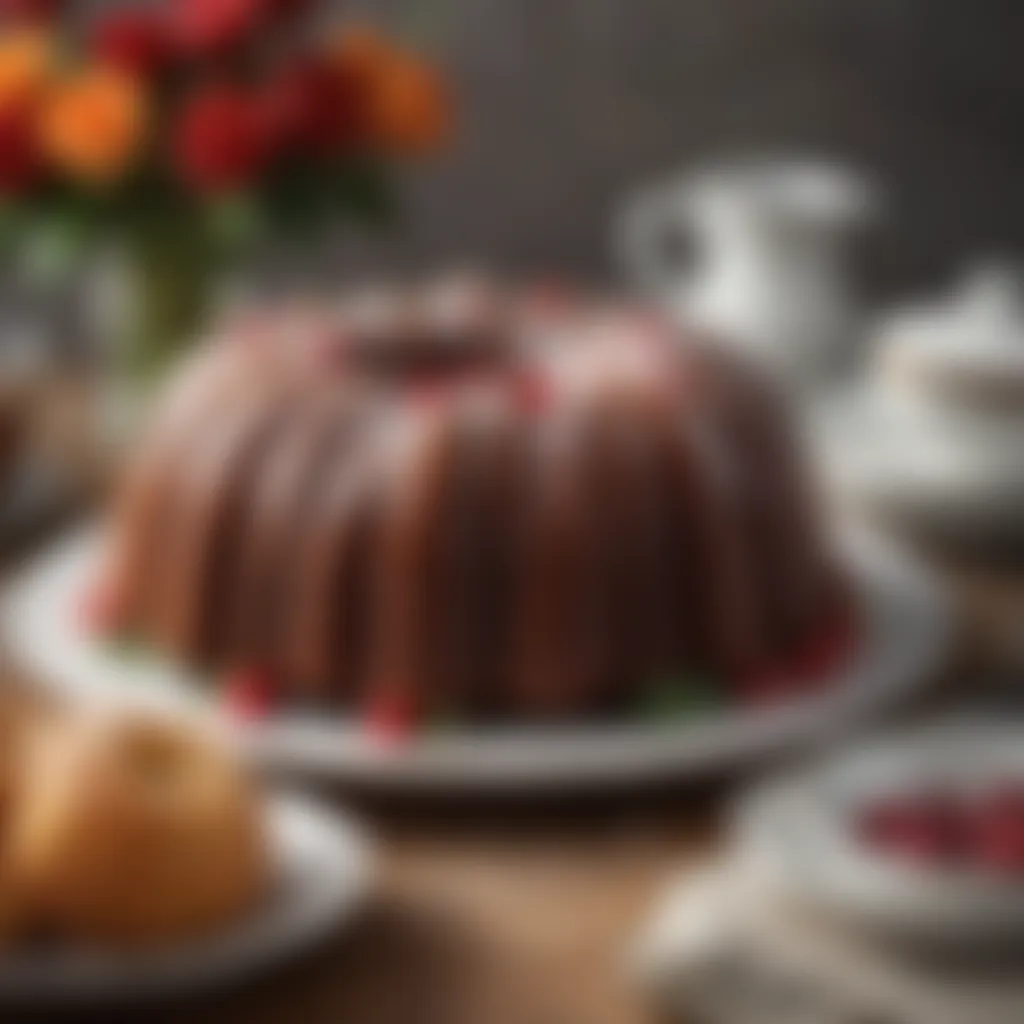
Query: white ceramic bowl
point(801, 834)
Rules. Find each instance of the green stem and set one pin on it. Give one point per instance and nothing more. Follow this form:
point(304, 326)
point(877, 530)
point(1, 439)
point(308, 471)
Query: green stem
point(170, 284)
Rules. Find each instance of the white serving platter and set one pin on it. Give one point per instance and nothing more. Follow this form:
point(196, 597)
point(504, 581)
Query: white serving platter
point(906, 627)
point(323, 875)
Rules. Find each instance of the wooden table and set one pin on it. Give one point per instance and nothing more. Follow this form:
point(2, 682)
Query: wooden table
point(522, 915)
point(482, 921)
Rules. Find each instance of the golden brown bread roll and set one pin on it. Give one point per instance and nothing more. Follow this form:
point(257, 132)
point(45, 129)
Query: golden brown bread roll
point(133, 831)
point(17, 726)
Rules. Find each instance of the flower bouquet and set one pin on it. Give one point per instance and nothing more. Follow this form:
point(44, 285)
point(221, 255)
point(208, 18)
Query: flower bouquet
point(192, 134)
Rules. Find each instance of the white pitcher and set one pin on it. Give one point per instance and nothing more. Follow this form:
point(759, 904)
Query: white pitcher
point(770, 274)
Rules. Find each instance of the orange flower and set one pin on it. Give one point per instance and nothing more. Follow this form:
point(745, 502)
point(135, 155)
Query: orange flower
point(407, 107)
point(362, 51)
point(411, 113)
point(93, 124)
point(26, 62)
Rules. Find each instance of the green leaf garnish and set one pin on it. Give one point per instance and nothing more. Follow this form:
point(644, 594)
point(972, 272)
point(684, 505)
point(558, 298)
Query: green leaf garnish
point(676, 697)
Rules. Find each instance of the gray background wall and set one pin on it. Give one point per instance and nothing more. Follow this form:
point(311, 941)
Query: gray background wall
point(569, 102)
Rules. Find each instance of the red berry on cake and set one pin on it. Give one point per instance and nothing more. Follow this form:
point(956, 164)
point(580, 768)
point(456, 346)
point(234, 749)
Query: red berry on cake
point(392, 716)
point(100, 610)
point(250, 694)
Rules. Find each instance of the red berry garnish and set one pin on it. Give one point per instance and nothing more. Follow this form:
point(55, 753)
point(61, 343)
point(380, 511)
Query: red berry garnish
point(533, 391)
point(392, 716)
point(250, 694)
point(553, 295)
point(769, 685)
point(100, 610)
point(827, 649)
point(808, 668)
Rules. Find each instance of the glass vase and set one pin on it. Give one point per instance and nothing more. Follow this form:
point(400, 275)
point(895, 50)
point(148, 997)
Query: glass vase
point(150, 306)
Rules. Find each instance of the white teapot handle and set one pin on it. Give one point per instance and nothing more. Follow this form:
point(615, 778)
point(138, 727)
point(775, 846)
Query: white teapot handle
point(643, 227)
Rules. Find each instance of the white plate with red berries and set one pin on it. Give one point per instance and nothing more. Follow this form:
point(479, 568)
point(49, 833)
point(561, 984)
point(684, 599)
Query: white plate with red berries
point(919, 835)
point(896, 640)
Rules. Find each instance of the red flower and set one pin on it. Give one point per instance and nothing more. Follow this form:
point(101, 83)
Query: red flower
point(133, 39)
point(29, 11)
point(220, 140)
point(21, 165)
point(310, 108)
point(284, 9)
point(211, 28)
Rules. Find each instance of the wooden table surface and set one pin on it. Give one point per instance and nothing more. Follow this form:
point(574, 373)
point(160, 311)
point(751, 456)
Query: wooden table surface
point(480, 920)
point(522, 915)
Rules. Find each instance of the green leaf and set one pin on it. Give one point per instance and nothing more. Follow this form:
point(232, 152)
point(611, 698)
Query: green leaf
point(368, 195)
point(13, 225)
point(311, 200)
point(444, 722)
point(126, 646)
point(236, 224)
point(678, 697)
point(299, 202)
point(55, 246)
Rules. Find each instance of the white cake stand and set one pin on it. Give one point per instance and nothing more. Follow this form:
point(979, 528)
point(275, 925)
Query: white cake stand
point(906, 627)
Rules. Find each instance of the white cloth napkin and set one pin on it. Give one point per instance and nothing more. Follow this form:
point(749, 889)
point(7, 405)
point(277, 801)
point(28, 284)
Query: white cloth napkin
point(724, 949)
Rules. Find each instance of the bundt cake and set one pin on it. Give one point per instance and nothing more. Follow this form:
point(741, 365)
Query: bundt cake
point(457, 500)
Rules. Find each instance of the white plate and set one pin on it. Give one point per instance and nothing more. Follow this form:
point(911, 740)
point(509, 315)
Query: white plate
point(323, 875)
point(906, 629)
point(799, 833)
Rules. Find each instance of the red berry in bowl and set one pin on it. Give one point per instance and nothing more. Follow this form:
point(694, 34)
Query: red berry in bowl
point(997, 829)
point(927, 830)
